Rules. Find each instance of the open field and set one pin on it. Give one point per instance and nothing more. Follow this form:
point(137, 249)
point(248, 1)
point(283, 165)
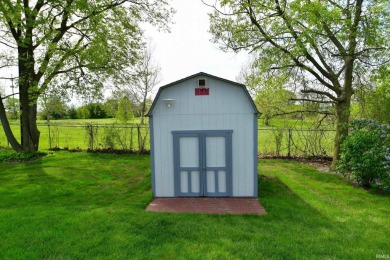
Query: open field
point(82, 205)
point(74, 134)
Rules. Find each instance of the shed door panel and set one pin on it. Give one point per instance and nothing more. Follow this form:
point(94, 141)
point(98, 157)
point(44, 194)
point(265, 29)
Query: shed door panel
point(187, 152)
point(217, 163)
point(215, 151)
point(202, 162)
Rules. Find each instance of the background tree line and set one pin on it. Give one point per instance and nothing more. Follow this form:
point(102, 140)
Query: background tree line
point(118, 106)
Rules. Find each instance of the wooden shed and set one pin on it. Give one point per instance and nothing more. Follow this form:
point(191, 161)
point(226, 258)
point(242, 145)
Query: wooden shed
point(203, 132)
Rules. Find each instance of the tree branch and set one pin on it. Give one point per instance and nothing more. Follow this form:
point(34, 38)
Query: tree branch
point(333, 38)
point(60, 63)
point(14, 31)
point(310, 90)
point(312, 100)
point(295, 59)
point(8, 96)
point(7, 129)
point(219, 11)
point(301, 45)
point(8, 45)
point(54, 41)
point(303, 111)
point(322, 119)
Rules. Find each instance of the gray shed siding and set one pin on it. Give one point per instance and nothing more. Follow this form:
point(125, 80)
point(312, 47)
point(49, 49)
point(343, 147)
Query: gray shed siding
point(227, 107)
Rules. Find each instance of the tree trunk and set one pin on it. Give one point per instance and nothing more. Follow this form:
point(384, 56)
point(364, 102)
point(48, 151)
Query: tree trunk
point(342, 122)
point(343, 111)
point(266, 120)
point(143, 110)
point(7, 129)
point(29, 130)
point(28, 96)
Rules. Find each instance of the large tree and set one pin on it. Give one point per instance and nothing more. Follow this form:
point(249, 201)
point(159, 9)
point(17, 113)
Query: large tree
point(69, 44)
point(325, 46)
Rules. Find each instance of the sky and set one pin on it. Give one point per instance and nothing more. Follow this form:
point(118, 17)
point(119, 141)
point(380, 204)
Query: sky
point(188, 49)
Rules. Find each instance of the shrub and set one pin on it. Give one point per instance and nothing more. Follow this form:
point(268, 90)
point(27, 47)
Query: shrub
point(12, 156)
point(278, 137)
point(111, 135)
point(365, 154)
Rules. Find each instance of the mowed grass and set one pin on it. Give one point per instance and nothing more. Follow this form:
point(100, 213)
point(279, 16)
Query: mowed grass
point(82, 205)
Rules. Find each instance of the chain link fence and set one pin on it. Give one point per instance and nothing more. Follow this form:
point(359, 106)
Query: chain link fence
point(296, 142)
point(91, 137)
point(291, 141)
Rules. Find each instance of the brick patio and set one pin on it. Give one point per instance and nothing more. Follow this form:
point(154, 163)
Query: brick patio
point(208, 205)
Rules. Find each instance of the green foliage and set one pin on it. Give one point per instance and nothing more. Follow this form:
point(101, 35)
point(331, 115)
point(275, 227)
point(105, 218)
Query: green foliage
point(96, 111)
point(54, 107)
point(111, 135)
point(125, 110)
point(273, 102)
point(271, 98)
point(366, 154)
point(8, 155)
point(278, 134)
point(111, 107)
point(72, 113)
point(5, 154)
point(286, 36)
point(91, 111)
point(373, 102)
point(379, 103)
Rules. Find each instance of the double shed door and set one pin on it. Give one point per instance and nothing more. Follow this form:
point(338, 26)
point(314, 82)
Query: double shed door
point(203, 163)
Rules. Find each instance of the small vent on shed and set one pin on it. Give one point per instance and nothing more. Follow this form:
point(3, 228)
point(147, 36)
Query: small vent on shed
point(202, 83)
point(202, 90)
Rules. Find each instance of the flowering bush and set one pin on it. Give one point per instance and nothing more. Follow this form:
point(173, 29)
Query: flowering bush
point(365, 154)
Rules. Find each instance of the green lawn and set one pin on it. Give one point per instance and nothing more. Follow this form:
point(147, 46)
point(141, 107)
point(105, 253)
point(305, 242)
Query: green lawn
point(81, 205)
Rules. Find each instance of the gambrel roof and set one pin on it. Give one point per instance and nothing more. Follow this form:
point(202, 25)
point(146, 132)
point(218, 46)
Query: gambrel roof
point(202, 74)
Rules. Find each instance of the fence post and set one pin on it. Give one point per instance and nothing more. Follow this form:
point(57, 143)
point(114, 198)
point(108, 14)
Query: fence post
point(289, 142)
point(90, 136)
point(139, 139)
point(48, 125)
point(131, 138)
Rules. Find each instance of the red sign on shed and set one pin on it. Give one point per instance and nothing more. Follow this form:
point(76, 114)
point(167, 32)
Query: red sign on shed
point(202, 91)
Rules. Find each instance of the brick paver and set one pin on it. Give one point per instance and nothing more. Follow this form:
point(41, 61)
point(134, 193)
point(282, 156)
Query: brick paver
point(208, 205)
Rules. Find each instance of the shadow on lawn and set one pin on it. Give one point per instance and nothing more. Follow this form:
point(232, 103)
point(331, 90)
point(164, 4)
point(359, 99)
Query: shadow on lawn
point(78, 186)
point(276, 194)
point(290, 222)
